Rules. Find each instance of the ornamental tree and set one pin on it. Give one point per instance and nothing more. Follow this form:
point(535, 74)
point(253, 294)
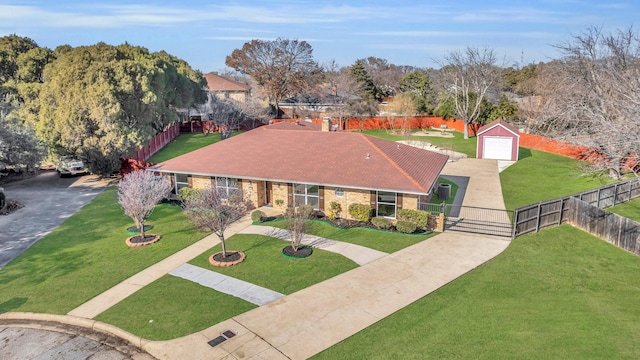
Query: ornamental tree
point(138, 194)
point(215, 208)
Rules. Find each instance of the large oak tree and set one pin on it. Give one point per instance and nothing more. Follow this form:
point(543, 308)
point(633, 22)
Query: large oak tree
point(281, 68)
point(101, 102)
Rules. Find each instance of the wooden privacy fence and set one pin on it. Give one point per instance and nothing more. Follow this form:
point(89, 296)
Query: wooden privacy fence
point(157, 142)
point(617, 230)
point(555, 212)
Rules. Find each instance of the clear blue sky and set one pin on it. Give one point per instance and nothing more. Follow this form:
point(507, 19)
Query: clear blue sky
point(404, 32)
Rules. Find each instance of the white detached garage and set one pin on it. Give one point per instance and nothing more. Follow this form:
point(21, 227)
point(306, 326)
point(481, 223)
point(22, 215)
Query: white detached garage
point(499, 141)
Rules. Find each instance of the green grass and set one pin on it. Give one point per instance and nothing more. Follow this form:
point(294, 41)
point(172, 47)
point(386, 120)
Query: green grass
point(379, 240)
point(265, 266)
point(177, 307)
point(457, 143)
point(540, 176)
point(558, 294)
point(180, 307)
point(454, 190)
point(183, 144)
point(87, 255)
point(629, 210)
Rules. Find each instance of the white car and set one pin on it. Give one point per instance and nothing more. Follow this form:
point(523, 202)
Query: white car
point(69, 165)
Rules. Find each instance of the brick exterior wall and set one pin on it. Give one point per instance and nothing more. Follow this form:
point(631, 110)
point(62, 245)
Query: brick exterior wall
point(201, 182)
point(410, 201)
point(280, 192)
point(254, 191)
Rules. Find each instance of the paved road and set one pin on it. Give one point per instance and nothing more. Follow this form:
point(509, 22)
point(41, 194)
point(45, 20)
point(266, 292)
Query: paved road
point(48, 201)
point(63, 342)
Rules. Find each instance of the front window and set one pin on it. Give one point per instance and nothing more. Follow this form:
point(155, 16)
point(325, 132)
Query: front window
point(181, 180)
point(386, 204)
point(306, 195)
point(226, 185)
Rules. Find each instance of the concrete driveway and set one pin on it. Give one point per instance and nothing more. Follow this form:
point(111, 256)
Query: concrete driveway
point(48, 201)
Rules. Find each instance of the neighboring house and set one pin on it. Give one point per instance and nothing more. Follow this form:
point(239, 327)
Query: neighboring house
point(224, 88)
point(498, 140)
point(304, 163)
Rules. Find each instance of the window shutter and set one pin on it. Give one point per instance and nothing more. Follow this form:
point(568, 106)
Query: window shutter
point(321, 198)
point(373, 199)
point(290, 195)
point(399, 201)
point(190, 180)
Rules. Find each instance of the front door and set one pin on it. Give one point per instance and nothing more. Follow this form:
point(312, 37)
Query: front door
point(268, 193)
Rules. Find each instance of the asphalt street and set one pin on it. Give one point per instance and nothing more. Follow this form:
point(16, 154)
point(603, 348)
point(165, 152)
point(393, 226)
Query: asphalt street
point(48, 201)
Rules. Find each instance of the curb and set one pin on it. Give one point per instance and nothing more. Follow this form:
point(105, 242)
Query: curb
point(76, 321)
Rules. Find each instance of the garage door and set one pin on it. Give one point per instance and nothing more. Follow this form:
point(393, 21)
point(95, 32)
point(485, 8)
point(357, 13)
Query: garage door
point(497, 147)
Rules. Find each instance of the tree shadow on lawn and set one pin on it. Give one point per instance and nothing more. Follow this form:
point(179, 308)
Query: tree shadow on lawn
point(13, 303)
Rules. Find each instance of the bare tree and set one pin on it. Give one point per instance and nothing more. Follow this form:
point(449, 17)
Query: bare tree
point(215, 208)
point(596, 99)
point(297, 223)
point(281, 68)
point(403, 105)
point(340, 89)
point(468, 76)
point(139, 192)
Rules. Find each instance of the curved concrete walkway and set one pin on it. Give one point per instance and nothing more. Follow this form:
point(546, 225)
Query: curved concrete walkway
point(359, 254)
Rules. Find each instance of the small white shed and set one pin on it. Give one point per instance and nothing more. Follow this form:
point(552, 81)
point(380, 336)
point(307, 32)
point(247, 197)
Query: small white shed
point(498, 140)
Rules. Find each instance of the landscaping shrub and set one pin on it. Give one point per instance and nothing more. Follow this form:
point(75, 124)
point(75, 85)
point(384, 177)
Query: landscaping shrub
point(360, 212)
point(406, 227)
point(382, 223)
point(334, 210)
point(186, 193)
point(419, 217)
point(257, 216)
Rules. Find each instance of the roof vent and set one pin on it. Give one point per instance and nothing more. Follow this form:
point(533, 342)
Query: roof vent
point(368, 156)
point(398, 146)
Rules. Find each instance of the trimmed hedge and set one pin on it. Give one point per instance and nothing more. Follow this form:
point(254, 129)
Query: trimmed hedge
point(418, 217)
point(360, 212)
point(381, 223)
point(257, 216)
point(406, 227)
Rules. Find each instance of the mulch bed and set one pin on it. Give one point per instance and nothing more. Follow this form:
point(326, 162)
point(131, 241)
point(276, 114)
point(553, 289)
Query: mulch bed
point(138, 240)
point(135, 230)
point(303, 252)
point(232, 258)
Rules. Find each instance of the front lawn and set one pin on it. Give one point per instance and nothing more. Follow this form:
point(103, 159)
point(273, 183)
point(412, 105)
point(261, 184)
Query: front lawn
point(629, 210)
point(558, 294)
point(171, 307)
point(185, 143)
point(375, 239)
point(179, 307)
point(87, 255)
point(265, 266)
point(540, 176)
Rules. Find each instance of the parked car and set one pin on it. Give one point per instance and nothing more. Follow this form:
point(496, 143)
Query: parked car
point(70, 165)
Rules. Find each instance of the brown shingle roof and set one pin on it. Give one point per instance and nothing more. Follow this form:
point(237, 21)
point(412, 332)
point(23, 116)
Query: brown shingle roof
point(216, 82)
point(344, 159)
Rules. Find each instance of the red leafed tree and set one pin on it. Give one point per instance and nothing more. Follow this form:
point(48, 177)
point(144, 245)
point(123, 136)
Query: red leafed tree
point(216, 208)
point(138, 194)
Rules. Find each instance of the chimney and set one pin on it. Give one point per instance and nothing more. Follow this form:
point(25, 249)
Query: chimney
point(326, 123)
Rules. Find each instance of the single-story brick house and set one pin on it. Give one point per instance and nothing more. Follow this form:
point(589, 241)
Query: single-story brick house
point(304, 163)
